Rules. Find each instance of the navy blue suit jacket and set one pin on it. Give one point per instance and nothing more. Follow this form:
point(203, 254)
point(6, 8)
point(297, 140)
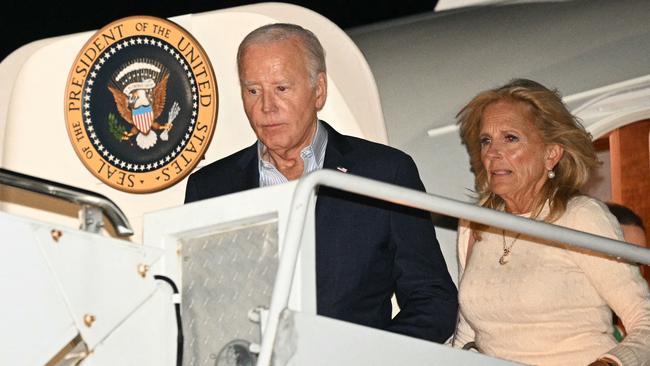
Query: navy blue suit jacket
point(365, 249)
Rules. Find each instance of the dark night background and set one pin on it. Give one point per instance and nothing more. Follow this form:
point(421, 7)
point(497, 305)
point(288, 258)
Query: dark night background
point(26, 21)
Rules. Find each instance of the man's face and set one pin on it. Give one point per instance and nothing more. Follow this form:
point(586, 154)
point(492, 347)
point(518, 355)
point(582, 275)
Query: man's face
point(279, 98)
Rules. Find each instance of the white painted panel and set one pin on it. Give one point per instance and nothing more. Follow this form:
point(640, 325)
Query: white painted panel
point(35, 320)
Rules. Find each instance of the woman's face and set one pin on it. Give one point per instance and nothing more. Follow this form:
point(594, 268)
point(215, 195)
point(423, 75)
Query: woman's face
point(514, 155)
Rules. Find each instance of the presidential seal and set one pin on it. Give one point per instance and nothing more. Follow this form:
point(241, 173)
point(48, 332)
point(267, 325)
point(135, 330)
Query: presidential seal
point(141, 104)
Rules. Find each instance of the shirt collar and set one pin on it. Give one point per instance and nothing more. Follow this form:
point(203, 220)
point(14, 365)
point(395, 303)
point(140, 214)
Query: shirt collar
point(315, 151)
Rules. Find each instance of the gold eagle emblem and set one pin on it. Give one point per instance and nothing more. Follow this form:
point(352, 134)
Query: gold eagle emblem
point(140, 93)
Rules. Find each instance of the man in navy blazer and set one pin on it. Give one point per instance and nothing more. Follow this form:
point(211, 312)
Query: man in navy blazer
point(366, 249)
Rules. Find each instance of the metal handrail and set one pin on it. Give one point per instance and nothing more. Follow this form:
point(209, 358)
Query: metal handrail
point(306, 191)
point(71, 194)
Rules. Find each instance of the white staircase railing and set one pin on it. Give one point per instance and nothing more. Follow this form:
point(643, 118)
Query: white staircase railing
point(92, 204)
point(306, 191)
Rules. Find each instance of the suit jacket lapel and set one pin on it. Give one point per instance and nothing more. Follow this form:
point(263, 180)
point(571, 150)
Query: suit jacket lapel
point(337, 151)
point(249, 166)
point(328, 242)
point(337, 157)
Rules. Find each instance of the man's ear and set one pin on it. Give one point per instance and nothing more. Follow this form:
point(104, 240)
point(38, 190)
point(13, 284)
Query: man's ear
point(553, 155)
point(321, 90)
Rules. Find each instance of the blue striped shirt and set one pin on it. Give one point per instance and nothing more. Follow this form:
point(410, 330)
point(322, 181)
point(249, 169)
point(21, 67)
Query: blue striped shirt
point(312, 156)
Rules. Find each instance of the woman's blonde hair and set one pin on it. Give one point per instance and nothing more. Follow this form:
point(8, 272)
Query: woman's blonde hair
point(555, 124)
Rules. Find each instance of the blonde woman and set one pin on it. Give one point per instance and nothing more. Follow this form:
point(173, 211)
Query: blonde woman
point(523, 299)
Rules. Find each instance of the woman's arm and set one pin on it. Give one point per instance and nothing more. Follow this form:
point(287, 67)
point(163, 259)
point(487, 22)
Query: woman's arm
point(619, 284)
point(464, 333)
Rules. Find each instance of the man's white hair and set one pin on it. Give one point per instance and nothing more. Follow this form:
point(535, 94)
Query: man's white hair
point(277, 32)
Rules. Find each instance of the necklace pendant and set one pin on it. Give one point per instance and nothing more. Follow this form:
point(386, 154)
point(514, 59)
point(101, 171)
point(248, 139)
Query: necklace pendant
point(503, 260)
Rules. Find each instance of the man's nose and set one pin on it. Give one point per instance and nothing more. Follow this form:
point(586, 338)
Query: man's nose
point(268, 102)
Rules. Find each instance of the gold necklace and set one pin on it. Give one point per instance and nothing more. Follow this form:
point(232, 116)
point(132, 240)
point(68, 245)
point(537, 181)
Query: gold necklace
point(507, 249)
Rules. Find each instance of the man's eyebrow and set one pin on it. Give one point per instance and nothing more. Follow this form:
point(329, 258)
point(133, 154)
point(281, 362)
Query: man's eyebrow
point(247, 82)
point(277, 82)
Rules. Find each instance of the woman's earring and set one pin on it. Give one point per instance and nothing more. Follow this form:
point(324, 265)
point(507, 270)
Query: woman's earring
point(551, 174)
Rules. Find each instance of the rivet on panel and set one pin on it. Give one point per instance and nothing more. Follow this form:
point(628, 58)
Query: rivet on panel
point(89, 319)
point(56, 234)
point(143, 269)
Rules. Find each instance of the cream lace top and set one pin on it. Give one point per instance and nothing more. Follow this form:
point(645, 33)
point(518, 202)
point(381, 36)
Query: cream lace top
point(550, 305)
